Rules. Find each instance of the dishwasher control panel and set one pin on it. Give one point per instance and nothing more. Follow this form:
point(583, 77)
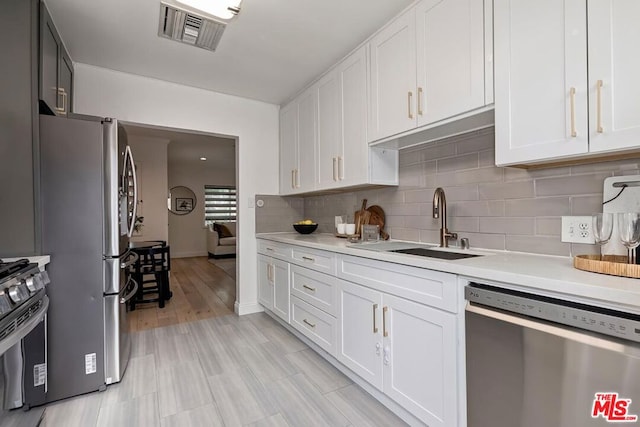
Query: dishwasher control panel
point(591, 318)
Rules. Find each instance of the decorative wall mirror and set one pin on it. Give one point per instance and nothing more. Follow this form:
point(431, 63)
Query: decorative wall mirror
point(182, 200)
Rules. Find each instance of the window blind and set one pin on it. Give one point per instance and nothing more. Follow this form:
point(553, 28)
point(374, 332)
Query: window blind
point(220, 204)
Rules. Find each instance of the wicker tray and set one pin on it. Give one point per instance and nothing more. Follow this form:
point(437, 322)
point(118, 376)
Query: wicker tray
point(615, 265)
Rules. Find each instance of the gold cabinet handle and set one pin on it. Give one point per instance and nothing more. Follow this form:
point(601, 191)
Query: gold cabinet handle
point(599, 85)
point(375, 327)
point(419, 101)
point(62, 110)
point(269, 275)
point(409, 102)
point(313, 325)
point(340, 168)
point(306, 258)
point(385, 333)
point(335, 168)
point(309, 288)
point(572, 101)
point(297, 178)
point(293, 178)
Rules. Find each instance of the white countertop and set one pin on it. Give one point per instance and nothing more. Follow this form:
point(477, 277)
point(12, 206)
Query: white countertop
point(546, 275)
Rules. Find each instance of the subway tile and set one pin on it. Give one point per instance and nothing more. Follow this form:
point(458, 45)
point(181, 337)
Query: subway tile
point(394, 221)
point(391, 195)
point(506, 190)
point(551, 226)
point(620, 166)
point(411, 176)
point(486, 158)
point(457, 163)
point(430, 167)
point(521, 225)
point(491, 174)
point(581, 249)
point(406, 209)
point(538, 244)
point(418, 196)
point(477, 208)
point(477, 142)
point(513, 174)
point(571, 185)
point(429, 236)
point(459, 223)
point(626, 173)
point(458, 193)
point(438, 150)
point(586, 205)
point(409, 157)
point(422, 222)
point(545, 206)
point(410, 234)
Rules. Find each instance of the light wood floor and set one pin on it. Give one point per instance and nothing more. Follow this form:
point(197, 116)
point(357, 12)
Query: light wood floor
point(200, 291)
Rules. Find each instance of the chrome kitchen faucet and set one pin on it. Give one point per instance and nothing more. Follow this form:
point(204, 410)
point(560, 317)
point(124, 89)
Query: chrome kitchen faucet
point(440, 211)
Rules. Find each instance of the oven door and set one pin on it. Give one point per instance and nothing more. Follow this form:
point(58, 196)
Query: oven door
point(527, 373)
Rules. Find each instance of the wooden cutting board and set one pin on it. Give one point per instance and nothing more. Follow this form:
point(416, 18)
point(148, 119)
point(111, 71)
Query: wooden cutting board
point(378, 218)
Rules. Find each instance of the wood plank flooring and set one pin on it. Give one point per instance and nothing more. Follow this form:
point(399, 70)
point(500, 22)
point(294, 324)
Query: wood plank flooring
point(200, 291)
point(223, 371)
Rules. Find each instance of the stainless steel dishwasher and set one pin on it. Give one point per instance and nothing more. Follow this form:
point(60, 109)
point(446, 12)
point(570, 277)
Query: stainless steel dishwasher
point(539, 361)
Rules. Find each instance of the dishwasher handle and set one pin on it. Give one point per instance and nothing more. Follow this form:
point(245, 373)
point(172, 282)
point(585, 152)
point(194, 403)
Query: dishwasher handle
point(566, 332)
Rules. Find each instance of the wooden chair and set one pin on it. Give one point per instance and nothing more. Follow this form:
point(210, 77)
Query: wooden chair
point(151, 272)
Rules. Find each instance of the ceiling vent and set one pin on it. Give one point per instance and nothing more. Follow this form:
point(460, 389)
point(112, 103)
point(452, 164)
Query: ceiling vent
point(188, 27)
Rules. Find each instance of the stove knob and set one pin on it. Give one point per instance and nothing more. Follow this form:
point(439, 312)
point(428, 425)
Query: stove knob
point(18, 292)
point(5, 304)
point(30, 282)
point(45, 278)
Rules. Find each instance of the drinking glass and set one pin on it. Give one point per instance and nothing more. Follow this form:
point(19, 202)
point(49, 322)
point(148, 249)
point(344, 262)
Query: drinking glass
point(602, 229)
point(629, 231)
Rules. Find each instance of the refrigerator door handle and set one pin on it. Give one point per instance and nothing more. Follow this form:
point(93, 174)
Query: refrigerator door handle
point(133, 258)
point(127, 297)
point(129, 157)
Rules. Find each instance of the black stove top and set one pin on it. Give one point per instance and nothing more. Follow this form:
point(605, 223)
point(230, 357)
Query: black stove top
point(10, 268)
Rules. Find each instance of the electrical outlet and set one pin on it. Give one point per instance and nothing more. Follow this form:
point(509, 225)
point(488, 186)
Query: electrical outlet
point(577, 229)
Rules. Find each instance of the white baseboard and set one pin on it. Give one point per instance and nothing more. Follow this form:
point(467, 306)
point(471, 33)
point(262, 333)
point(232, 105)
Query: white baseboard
point(242, 309)
point(188, 254)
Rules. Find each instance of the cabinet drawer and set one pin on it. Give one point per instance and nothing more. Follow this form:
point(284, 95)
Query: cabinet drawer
point(315, 324)
point(314, 259)
point(274, 249)
point(430, 287)
point(317, 289)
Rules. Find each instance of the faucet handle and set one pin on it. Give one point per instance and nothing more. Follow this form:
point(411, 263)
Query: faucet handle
point(464, 243)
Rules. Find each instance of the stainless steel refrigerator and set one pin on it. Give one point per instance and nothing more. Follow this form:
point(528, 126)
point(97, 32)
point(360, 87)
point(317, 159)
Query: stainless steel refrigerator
point(88, 201)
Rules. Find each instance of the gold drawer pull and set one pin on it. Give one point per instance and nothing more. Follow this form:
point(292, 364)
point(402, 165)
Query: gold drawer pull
point(385, 333)
point(309, 288)
point(409, 102)
point(375, 327)
point(599, 85)
point(572, 100)
point(306, 258)
point(419, 101)
point(313, 325)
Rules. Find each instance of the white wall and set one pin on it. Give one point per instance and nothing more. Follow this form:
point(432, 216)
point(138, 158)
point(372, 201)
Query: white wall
point(187, 234)
point(150, 155)
point(143, 100)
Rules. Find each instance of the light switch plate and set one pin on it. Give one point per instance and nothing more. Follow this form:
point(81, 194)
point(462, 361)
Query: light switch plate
point(577, 229)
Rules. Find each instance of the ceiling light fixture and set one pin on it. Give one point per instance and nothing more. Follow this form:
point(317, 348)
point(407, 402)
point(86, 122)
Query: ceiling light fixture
point(223, 9)
point(203, 158)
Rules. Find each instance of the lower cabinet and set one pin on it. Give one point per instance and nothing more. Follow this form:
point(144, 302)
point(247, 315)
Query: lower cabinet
point(273, 286)
point(405, 349)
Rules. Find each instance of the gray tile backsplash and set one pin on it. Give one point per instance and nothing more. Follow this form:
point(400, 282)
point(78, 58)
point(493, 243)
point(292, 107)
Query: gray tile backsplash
point(496, 208)
point(278, 213)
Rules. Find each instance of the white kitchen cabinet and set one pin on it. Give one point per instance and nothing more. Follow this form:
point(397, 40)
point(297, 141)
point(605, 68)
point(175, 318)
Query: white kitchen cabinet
point(405, 349)
point(570, 90)
point(273, 286)
point(329, 129)
point(613, 39)
point(288, 147)
point(427, 66)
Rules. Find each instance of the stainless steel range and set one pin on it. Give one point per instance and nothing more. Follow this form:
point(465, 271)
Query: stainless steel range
point(23, 310)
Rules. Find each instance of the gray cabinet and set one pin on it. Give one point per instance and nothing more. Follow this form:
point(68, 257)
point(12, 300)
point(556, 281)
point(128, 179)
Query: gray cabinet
point(56, 69)
point(18, 127)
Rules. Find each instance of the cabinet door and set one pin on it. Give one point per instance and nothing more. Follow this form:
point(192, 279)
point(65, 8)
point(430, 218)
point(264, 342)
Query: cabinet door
point(49, 54)
point(65, 83)
point(280, 277)
point(450, 46)
point(353, 159)
point(420, 360)
point(540, 79)
point(360, 331)
point(288, 147)
point(393, 78)
point(614, 113)
point(265, 284)
point(307, 122)
point(329, 115)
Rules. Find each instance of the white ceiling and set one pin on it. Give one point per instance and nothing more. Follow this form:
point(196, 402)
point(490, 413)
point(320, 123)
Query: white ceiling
point(270, 51)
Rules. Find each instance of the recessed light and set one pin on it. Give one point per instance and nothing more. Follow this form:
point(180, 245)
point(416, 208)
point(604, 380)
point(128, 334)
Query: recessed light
point(203, 158)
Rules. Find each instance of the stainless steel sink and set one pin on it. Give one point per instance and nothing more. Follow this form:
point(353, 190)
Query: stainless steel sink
point(431, 253)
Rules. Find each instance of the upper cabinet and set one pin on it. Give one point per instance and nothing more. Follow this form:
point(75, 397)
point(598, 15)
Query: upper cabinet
point(323, 135)
point(570, 90)
point(56, 69)
point(430, 64)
